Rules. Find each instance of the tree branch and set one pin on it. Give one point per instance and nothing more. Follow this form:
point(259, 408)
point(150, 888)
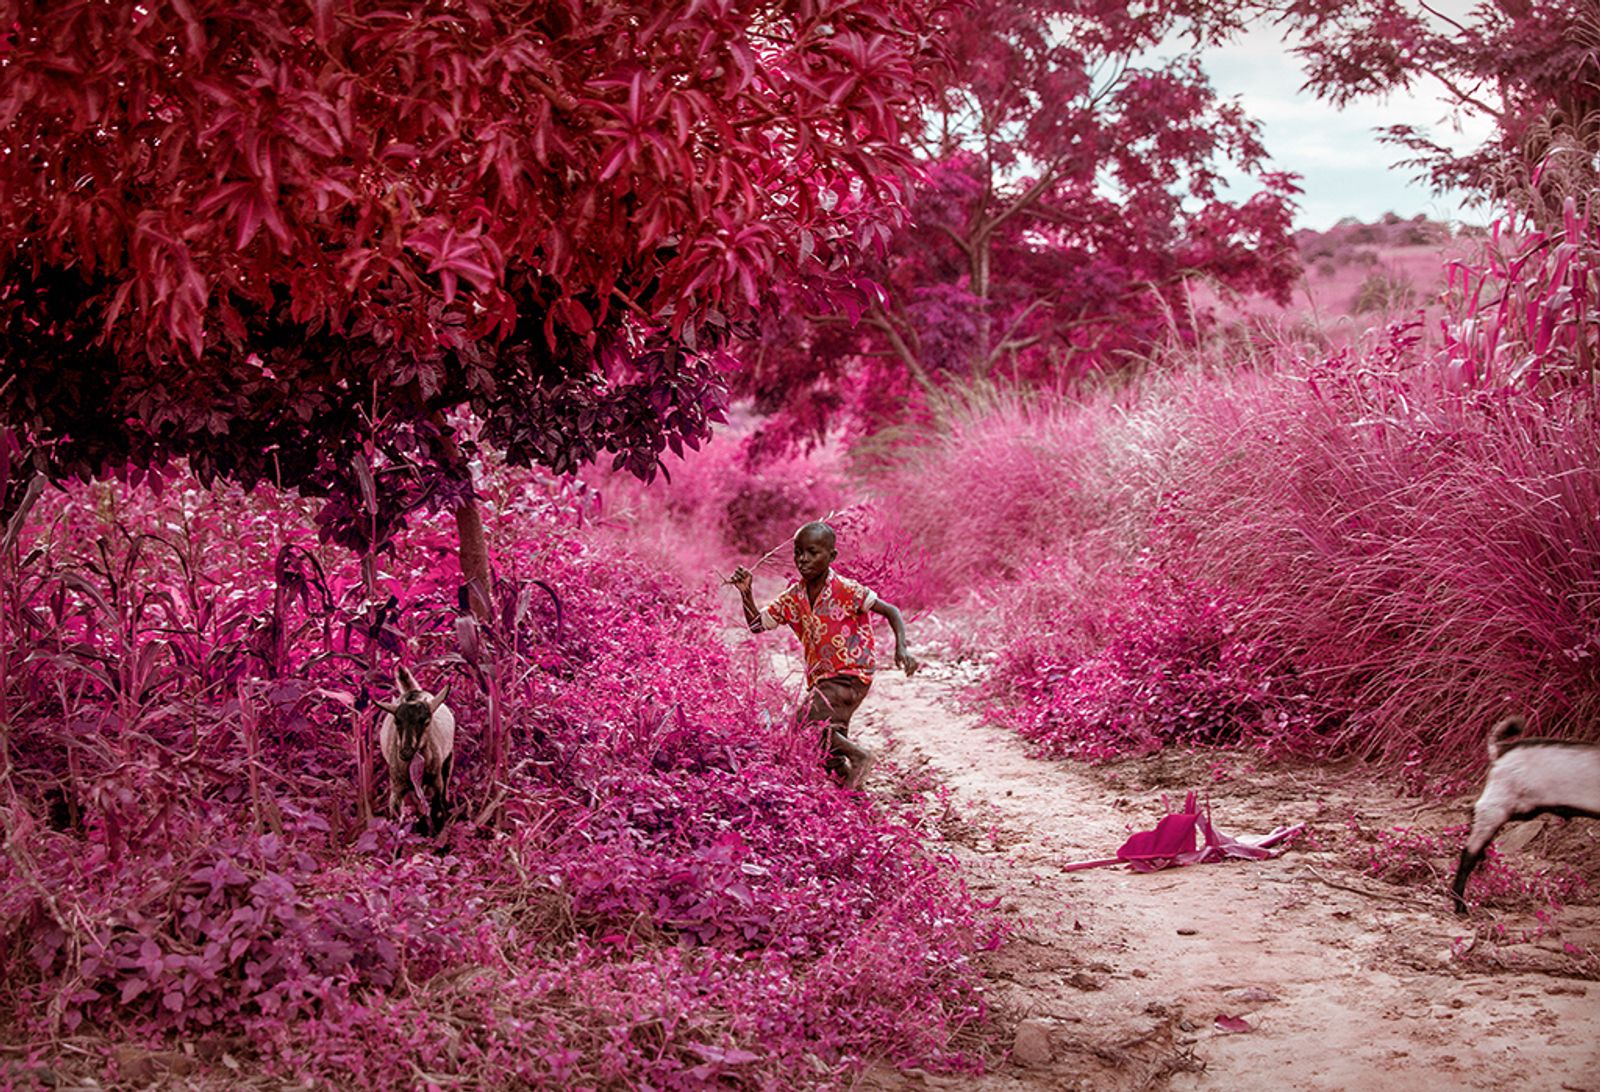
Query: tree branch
point(880, 321)
point(957, 238)
point(1006, 343)
point(1027, 197)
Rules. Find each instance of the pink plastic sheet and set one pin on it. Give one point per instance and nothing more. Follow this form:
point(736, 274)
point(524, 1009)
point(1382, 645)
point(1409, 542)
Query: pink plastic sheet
point(1175, 841)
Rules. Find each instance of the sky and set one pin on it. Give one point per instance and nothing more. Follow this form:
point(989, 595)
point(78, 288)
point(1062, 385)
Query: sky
point(1345, 169)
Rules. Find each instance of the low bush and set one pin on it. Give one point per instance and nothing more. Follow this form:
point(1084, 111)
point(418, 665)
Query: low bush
point(1426, 860)
point(1157, 662)
point(648, 881)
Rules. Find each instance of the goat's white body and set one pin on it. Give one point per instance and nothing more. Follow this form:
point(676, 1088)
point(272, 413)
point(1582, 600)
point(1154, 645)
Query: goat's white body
point(1527, 778)
point(1535, 776)
point(437, 745)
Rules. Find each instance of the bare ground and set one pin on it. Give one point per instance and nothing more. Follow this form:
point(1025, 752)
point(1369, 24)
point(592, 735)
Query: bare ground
point(1327, 977)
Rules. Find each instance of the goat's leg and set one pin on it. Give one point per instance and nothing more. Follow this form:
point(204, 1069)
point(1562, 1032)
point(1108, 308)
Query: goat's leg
point(1485, 825)
point(437, 781)
point(399, 784)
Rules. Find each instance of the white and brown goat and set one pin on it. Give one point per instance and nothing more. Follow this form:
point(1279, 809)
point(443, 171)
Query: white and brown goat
point(418, 721)
point(1527, 777)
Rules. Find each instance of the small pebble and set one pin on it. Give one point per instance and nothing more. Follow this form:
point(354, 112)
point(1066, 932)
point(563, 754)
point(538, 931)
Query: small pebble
point(1253, 994)
point(1186, 931)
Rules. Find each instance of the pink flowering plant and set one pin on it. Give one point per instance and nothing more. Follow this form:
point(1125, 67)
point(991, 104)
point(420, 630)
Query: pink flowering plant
point(647, 880)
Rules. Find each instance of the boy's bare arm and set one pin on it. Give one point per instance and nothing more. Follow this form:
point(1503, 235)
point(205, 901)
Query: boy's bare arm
point(902, 650)
point(741, 579)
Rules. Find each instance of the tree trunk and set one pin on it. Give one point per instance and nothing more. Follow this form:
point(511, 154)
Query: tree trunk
point(473, 555)
point(980, 288)
point(472, 547)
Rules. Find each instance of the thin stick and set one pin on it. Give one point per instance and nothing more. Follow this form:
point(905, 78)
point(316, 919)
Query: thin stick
point(764, 558)
point(1385, 896)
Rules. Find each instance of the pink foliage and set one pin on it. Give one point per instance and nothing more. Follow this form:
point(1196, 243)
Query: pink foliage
point(1071, 188)
point(647, 880)
point(299, 244)
point(1526, 315)
point(1418, 858)
point(720, 508)
point(1164, 663)
point(1375, 552)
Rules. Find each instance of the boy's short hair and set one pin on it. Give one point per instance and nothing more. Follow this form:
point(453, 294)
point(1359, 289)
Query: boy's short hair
point(816, 526)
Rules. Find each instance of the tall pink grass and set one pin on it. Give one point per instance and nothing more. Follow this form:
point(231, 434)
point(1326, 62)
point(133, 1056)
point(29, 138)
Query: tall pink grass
point(1005, 480)
point(1426, 555)
point(1388, 548)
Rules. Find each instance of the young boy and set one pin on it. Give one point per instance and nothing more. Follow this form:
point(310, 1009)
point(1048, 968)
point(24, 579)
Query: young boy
point(828, 613)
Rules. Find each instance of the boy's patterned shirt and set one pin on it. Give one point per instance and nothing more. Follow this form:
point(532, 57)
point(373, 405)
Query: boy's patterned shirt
point(836, 635)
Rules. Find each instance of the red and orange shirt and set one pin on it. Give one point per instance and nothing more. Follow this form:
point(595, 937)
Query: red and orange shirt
point(836, 634)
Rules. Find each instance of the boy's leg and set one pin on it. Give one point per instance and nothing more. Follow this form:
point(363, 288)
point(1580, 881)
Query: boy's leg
point(858, 759)
point(834, 702)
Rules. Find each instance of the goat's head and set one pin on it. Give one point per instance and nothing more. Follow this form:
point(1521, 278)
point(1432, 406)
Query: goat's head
point(412, 714)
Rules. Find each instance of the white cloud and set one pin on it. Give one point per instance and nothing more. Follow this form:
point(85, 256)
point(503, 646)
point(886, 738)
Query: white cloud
point(1346, 170)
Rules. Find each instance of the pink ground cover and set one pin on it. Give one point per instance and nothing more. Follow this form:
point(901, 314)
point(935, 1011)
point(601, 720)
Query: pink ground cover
point(648, 881)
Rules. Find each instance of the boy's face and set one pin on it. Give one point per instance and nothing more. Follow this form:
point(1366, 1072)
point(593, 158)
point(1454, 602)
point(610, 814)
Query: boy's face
point(813, 553)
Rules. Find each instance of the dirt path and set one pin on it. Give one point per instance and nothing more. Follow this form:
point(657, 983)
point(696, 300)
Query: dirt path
point(1116, 980)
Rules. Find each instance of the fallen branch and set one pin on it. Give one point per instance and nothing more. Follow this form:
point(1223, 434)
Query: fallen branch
point(1385, 895)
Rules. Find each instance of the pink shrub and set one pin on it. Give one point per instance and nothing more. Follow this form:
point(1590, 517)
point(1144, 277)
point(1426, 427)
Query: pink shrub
point(1413, 858)
point(647, 880)
point(1159, 662)
point(719, 508)
point(1392, 549)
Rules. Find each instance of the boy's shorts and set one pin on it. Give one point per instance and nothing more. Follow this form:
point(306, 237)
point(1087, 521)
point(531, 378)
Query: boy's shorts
point(835, 700)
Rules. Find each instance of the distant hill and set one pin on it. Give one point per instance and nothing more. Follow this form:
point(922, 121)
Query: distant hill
point(1357, 273)
point(1350, 235)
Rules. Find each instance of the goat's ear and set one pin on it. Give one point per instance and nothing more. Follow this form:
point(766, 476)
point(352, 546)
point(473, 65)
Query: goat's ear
point(438, 699)
point(388, 707)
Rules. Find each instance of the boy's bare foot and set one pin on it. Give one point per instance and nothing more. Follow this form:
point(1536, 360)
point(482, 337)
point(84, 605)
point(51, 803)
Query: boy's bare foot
point(858, 773)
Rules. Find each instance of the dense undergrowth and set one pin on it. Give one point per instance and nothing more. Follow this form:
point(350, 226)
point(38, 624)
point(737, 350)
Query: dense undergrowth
point(648, 882)
point(1374, 553)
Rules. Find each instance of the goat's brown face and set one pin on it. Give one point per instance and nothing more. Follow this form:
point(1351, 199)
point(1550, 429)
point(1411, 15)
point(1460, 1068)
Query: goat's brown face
point(410, 725)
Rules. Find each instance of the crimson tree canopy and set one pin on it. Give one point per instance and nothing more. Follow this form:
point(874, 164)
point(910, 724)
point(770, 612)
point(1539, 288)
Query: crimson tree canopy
point(282, 238)
point(1073, 184)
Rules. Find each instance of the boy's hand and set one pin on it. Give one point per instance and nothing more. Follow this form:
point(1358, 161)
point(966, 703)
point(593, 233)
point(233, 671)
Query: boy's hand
point(904, 660)
point(741, 578)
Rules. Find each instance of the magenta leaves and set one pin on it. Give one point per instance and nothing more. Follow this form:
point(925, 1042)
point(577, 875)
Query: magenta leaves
point(1357, 554)
point(650, 884)
point(1408, 857)
point(1168, 664)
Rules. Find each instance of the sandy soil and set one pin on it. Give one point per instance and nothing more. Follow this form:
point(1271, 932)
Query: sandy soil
point(1331, 979)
